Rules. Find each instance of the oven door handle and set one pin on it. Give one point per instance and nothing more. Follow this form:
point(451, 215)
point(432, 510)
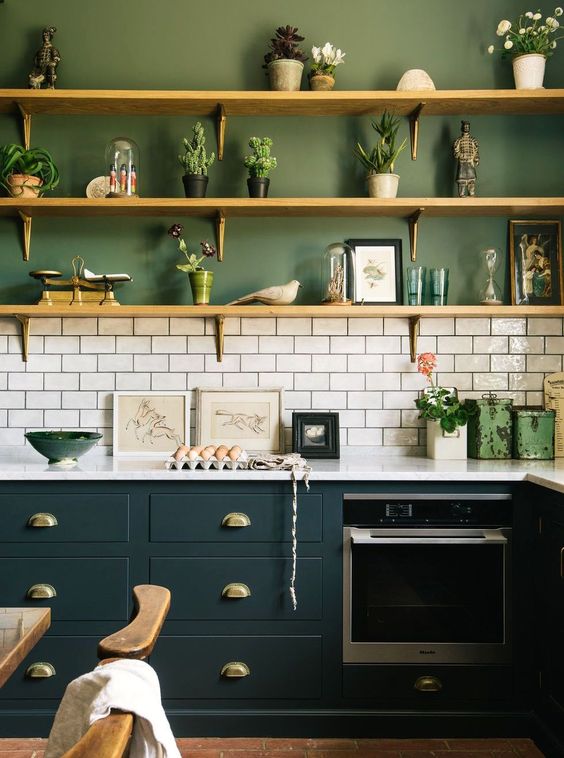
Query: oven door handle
point(372, 537)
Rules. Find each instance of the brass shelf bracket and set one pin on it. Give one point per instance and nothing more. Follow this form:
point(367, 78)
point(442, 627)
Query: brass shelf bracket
point(221, 125)
point(413, 334)
point(26, 218)
point(219, 336)
point(25, 322)
point(220, 234)
point(26, 123)
point(414, 129)
point(414, 232)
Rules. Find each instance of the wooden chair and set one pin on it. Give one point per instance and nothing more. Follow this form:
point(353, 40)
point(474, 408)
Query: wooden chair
point(109, 737)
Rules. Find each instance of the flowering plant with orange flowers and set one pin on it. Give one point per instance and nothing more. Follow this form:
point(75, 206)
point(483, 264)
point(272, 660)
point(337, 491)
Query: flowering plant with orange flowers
point(438, 403)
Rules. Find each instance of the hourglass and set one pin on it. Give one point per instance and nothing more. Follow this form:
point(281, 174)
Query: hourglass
point(490, 294)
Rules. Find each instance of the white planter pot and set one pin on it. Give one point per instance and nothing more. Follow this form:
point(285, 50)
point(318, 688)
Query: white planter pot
point(383, 185)
point(285, 75)
point(444, 446)
point(528, 71)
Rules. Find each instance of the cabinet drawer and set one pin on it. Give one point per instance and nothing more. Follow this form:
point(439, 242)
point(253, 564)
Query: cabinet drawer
point(79, 518)
point(280, 667)
point(199, 518)
point(386, 683)
point(199, 587)
point(69, 656)
point(88, 589)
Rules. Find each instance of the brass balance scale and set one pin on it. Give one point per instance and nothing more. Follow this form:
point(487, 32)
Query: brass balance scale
point(83, 287)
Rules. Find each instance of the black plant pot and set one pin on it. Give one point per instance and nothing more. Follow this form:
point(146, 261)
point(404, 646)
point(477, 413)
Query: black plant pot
point(195, 185)
point(258, 186)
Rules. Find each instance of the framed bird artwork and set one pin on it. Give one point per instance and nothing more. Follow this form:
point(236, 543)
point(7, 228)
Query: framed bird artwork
point(377, 266)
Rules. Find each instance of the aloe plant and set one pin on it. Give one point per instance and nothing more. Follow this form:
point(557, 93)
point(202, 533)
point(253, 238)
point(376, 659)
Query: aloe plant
point(37, 161)
point(384, 154)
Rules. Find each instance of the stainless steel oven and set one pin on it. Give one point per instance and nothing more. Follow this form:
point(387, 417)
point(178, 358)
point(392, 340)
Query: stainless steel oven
point(427, 578)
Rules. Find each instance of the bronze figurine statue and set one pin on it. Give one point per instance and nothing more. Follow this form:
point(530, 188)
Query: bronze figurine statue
point(45, 63)
point(467, 153)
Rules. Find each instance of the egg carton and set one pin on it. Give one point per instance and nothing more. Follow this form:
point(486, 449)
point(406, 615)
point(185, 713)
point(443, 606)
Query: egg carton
point(212, 463)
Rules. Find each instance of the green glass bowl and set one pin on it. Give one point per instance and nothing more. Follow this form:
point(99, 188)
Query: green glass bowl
point(63, 447)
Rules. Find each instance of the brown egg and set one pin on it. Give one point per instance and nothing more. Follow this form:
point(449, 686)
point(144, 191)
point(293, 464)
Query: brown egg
point(206, 454)
point(211, 449)
point(221, 452)
point(235, 453)
point(198, 449)
point(181, 452)
point(193, 453)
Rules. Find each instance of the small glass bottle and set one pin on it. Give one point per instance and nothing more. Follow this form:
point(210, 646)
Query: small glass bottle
point(336, 275)
point(490, 294)
point(122, 167)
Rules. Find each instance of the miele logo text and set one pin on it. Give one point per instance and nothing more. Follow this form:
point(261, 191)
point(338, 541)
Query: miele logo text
point(427, 652)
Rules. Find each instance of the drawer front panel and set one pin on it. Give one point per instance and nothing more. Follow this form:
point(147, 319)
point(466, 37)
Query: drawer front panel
point(200, 587)
point(69, 656)
point(198, 518)
point(280, 667)
point(79, 518)
point(397, 683)
point(87, 589)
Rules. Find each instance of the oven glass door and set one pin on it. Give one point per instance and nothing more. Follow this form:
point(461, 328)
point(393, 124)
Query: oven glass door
point(430, 586)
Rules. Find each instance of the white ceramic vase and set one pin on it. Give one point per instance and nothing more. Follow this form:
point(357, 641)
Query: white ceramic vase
point(383, 185)
point(528, 71)
point(444, 446)
point(285, 75)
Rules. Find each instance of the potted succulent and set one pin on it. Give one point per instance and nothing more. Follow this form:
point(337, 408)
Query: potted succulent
point(27, 173)
point(259, 164)
point(529, 41)
point(325, 61)
point(195, 162)
point(200, 280)
point(285, 60)
point(382, 182)
point(446, 416)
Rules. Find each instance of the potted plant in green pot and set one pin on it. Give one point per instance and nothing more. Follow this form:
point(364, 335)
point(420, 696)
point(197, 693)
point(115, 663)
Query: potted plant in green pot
point(529, 41)
point(27, 173)
point(200, 280)
point(259, 164)
point(379, 162)
point(325, 61)
point(195, 162)
point(285, 60)
point(446, 416)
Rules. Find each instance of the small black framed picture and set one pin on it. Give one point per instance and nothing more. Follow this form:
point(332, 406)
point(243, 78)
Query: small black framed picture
point(377, 266)
point(316, 435)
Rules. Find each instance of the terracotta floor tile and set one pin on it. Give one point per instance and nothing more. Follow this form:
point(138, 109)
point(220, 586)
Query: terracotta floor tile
point(360, 753)
point(27, 743)
point(309, 744)
point(525, 747)
point(264, 754)
point(464, 754)
point(483, 744)
point(204, 753)
point(416, 744)
point(15, 753)
point(220, 743)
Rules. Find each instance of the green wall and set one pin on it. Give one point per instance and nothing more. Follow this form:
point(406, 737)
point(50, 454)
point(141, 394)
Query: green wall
point(218, 44)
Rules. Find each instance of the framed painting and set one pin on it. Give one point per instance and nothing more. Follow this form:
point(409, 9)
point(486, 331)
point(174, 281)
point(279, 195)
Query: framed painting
point(150, 424)
point(535, 262)
point(377, 266)
point(315, 435)
point(250, 418)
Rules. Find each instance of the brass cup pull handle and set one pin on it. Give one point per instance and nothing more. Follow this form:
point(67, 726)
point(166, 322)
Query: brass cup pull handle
point(428, 684)
point(235, 670)
point(40, 670)
point(42, 520)
point(41, 592)
point(237, 520)
point(235, 590)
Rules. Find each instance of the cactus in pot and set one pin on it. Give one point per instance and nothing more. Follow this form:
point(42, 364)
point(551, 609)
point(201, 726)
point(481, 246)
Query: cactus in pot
point(259, 164)
point(195, 162)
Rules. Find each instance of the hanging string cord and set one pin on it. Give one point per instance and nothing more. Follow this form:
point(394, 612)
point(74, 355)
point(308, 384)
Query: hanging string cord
point(294, 463)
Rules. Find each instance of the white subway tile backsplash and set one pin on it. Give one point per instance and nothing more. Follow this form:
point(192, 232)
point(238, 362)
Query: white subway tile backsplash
point(383, 418)
point(62, 345)
point(230, 363)
point(471, 363)
point(526, 344)
point(365, 400)
point(355, 363)
point(46, 362)
point(364, 437)
point(297, 401)
point(25, 381)
point(472, 326)
point(459, 380)
point(367, 326)
point(508, 363)
point(150, 326)
point(50, 399)
point(46, 326)
point(168, 381)
point(79, 399)
point(491, 345)
point(456, 344)
point(518, 381)
point(98, 344)
point(382, 345)
point(352, 418)
point(511, 326)
point(293, 326)
point(134, 345)
point(330, 401)
point(343, 381)
point(60, 381)
point(348, 345)
point(258, 326)
point(115, 326)
point(255, 362)
point(396, 326)
point(203, 380)
point(248, 344)
point(60, 419)
point(544, 326)
point(546, 363)
point(238, 380)
point(306, 362)
point(401, 437)
point(187, 326)
point(106, 381)
point(276, 344)
point(201, 345)
point(115, 362)
point(491, 381)
point(311, 344)
point(131, 381)
point(383, 381)
point(169, 344)
point(399, 400)
point(436, 326)
point(554, 345)
point(26, 418)
point(276, 379)
point(330, 326)
point(80, 326)
point(309, 381)
point(35, 345)
point(159, 362)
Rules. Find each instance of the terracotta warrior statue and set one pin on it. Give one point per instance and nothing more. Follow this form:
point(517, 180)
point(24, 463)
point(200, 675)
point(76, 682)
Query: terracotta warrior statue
point(45, 62)
point(466, 152)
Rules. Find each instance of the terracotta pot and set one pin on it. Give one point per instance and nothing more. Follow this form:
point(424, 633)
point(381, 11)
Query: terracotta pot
point(528, 70)
point(321, 82)
point(285, 75)
point(382, 185)
point(195, 185)
point(201, 284)
point(24, 185)
point(444, 446)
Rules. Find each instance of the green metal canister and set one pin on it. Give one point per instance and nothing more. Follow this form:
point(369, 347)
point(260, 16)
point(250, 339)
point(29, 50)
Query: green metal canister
point(490, 427)
point(533, 433)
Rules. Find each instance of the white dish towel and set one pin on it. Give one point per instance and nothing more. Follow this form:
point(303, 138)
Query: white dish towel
point(128, 685)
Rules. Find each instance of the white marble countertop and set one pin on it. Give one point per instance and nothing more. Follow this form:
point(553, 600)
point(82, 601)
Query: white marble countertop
point(22, 464)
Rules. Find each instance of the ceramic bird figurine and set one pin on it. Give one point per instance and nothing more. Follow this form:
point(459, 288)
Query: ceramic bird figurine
point(282, 294)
